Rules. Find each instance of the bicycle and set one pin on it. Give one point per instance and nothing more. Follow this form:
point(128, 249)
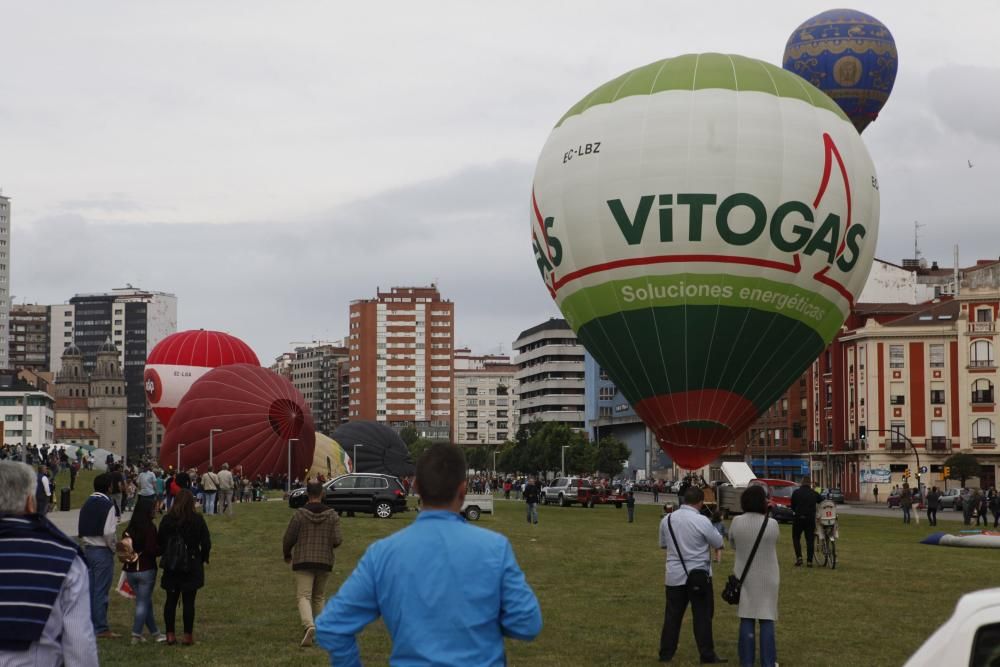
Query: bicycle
point(827, 531)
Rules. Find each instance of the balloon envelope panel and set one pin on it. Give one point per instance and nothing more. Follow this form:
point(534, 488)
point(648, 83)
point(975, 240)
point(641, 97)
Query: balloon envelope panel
point(329, 459)
point(849, 55)
point(380, 449)
point(180, 359)
point(258, 411)
point(704, 224)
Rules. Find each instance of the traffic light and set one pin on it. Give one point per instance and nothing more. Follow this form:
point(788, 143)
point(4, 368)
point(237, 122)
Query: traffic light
point(862, 432)
point(946, 471)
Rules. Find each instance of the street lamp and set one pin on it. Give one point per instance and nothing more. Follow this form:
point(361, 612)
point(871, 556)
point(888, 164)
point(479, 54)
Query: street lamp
point(179, 448)
point(354, 459)
point(211, 443)
point(24, 427)
point(563, 455)
point(495, 463)
point(288, 482)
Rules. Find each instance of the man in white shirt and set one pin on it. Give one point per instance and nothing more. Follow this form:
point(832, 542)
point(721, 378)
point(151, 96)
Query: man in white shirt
point(688, 536)
point(146, 483)
point(225, 500)
point(210, 487)
point(97, 528)
point(43, 491)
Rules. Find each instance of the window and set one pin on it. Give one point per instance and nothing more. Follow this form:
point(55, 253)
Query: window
point(937, 394)
point(896, 393)
point(937, 355)
point(473, 413)
point(896, 432)
point(895, 356)
point(603, 374)
point(982, 391)
point(607, 393)
point(982, 431)
point(984, 646)
point(984, 314)
point(344, 483)
point(981, 354)
point(471, 391)
point(604, 412)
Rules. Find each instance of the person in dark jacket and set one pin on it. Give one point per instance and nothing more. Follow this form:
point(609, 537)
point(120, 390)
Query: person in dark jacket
point(804, 501)
point(141, 573)
point(312, 534)
point(531, 499)
point(906, 502)
point(933, 505)
point(184, 523)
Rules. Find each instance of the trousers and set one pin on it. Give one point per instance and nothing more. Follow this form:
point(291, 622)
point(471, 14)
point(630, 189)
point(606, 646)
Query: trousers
point(170, 610)
point(768, 646)
point(702, 610)
point(100, 568)
point(310, 591)
point(799, 526)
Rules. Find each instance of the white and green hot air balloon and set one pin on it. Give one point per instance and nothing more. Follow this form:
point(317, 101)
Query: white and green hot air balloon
point(704, 223)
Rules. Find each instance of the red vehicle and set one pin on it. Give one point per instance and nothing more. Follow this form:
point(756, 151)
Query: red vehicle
point(603, 495)
point(779, 496)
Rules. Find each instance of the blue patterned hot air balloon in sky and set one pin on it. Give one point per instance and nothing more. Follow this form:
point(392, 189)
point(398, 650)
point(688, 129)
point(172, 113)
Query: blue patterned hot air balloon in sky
point(850, 56)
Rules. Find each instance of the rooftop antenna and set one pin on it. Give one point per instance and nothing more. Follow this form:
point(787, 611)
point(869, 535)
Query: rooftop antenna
point(916, 236)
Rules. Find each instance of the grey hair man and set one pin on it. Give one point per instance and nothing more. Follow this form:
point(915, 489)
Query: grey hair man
point(44, 584)
point(225, 499)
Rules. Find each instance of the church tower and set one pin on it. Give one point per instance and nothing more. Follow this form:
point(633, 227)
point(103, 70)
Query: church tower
point(72, 387)
point(107, 400)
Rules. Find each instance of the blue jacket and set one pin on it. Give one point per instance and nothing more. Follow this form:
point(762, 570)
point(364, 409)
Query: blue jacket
point(448, 593)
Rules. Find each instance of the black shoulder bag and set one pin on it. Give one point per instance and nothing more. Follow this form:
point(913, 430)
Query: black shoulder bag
point(731, 593)
point(697, 580)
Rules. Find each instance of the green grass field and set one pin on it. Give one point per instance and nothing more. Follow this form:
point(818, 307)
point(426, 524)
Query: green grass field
point(600, 584)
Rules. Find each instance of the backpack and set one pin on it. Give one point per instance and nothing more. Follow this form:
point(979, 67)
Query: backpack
point(125, 551)
point(176, 557)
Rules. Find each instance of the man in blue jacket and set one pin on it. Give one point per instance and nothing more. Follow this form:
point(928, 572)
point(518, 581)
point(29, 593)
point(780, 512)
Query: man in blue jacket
point(448, 592)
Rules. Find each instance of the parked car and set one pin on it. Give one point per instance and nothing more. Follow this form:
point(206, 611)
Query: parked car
point(568, 490)
point(954, 498)
point(836, 495)
point(366, 493)
point(779, 495)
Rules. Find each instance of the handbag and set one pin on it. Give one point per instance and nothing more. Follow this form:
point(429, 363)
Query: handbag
point(731, 593)
point(698, 581)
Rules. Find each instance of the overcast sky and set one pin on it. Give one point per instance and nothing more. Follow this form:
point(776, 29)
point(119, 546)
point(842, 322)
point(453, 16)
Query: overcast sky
point(270, 162)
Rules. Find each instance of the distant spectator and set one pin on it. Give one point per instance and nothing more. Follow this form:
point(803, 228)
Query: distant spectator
point(98, 531)
point(184, 524)
point(531, 492)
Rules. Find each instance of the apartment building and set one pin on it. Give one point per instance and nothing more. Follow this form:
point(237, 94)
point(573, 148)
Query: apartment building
point(485, 404)
point(28, 336)
point(401, 369)
point(314, 371)
point(550, 374)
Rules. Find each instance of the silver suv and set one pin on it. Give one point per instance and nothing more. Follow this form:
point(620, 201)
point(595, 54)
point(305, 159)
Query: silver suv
point(567, 490)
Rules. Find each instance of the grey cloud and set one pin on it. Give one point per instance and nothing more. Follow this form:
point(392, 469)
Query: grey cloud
point(966, 99)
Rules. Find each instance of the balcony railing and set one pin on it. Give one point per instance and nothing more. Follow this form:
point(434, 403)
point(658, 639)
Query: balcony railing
point(896, 446)
point(982, 396)
point(982, 327)
point(984, 440)
point(982, 363)
point(938, 444)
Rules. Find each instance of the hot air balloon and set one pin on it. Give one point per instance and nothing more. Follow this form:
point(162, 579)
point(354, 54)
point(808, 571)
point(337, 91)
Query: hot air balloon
point(329, 459)
point(252, 413)
point(379, 448)
point(180, 359)
point(704, 223)
point(850, 56)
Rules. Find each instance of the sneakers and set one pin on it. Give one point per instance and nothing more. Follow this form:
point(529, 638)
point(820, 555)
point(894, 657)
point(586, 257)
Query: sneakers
point(798, 562)
point(107, 634)
point(138, 639)
point(307, 638)
point(160, 638)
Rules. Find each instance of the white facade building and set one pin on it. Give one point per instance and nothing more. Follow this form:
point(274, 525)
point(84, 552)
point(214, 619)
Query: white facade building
point(41, 417)
point(5, 300)
point(60, 333)
point(485, 402)
point(550, 375)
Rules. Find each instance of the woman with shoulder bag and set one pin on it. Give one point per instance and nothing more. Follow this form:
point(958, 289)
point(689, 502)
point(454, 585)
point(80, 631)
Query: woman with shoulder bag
point(186, 544)
point(140, 571)
point(759, 591)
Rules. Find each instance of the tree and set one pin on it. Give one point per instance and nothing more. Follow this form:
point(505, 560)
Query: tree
point(479, 458)
point(409, 435)
point(611, 452)
point(962, 466)
point(418, 447)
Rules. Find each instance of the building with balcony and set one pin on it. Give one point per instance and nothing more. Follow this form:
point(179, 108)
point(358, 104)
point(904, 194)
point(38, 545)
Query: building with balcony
point(314, 370)
point(29, 337)
point(484, 401)
point(5, 298)
point(550, 375)
point(400, 352)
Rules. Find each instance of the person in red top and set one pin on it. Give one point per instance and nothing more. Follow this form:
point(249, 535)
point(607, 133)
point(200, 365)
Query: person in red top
point(141, 573)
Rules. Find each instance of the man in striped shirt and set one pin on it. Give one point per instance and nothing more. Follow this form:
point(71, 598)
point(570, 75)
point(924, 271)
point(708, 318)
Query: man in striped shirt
point(44, 589)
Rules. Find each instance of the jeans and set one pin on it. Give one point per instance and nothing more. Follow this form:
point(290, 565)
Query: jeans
point(310, 590)
point(906, 515)
point(768, 648)
point(532, 512)
point(100, 567)
point(702, 609)
point(932, 517)
point(631, 514)
point(209, 502)
point(142, 584)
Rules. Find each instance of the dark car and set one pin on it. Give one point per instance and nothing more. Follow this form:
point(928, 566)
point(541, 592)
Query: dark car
point(836, 495)
point(782, 513)
point(366, 493)
point(893, 501)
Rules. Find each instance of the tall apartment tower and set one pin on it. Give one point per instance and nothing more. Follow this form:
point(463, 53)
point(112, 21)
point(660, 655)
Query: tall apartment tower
point(62, 321)
point(400, 365)
point(314, 371)
point(134, 320)
point(485, 402)
point(5, 250)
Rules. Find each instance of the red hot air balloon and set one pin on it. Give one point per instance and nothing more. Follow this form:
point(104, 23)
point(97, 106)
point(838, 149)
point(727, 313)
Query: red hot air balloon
point(180, 359)
point(253, 412)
